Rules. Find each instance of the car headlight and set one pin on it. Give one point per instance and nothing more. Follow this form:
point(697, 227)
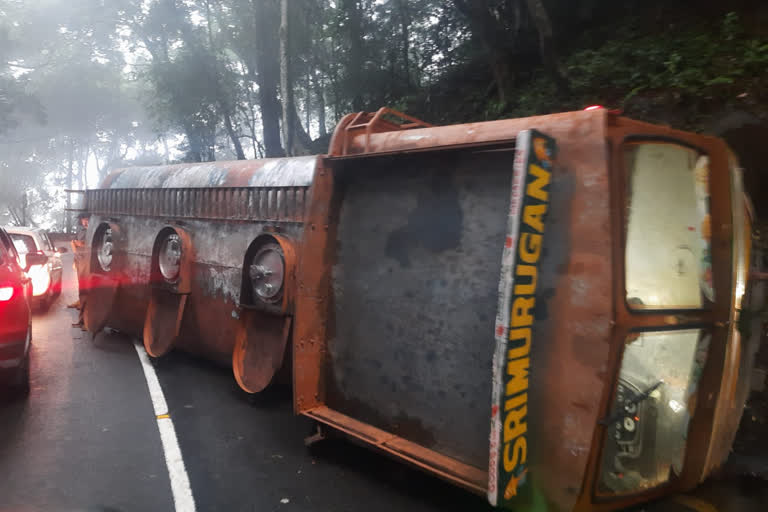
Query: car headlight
point(104, 250)
point(169, 257)
point(41, 279)
point(267, 272)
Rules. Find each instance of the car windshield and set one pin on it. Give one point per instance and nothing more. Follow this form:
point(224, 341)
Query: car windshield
point(24, 243)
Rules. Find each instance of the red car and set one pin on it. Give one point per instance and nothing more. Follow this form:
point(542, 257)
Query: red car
point(15, 315)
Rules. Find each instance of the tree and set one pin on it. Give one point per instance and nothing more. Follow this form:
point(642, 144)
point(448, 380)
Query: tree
point(354, 33)
point(286, 81)
point(495, 39)
point(547, 44)
point(268, 72)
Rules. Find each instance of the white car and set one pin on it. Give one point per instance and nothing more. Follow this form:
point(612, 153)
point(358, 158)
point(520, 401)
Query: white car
point(46, 279)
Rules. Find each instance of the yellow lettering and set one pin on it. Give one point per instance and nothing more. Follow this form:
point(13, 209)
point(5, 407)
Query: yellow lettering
point(517, 371)
point(530, 247)
point(515, 401)
point(528, 271)
point(536, 187)
point(521, 311)
point(519, 454)
point(532, 215)
point(516, 335)
point(514, 424)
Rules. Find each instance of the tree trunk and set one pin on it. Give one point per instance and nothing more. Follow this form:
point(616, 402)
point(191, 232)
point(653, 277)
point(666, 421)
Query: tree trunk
point(233, 136)
point(24, 205)
point(70, 170)
point(286, 84)
point(405, 21)
point(252, 127)
point(318, 86)
point(196, 145)
point(166, 150)
point(84, 170)
point(540, 18)
point(302, 142)
point(308, 105)
point(491, 34)
point(268, 73)
point(222, 101)
point(355, 34)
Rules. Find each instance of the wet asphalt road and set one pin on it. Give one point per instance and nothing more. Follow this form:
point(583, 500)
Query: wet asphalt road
point(86, 439)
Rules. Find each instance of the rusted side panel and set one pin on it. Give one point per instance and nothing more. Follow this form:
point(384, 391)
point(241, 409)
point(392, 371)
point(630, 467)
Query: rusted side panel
point(277, 204)
point(212, 314)
point(420, 139)
point(570, 356)
point(415, 290)
point(570, 350)
point(259, 349)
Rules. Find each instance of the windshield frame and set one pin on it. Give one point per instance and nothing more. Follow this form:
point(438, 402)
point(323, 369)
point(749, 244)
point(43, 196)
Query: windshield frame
point(704, 336)
point(620, 132)
point(626, 174)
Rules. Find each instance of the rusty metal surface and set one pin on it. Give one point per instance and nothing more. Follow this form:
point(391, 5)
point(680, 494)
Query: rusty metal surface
point(701, 454)
point(385, 356)
point(274, 172)
point(277, 203)
point(460, 474)
point(212, 313)
point(415, 286)
point(369, 123)
point(163, 322)
point(578, 123)
point(259, 349)
point(569, 364)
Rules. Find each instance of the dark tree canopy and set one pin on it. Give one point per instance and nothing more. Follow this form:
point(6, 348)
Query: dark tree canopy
point(86, 84)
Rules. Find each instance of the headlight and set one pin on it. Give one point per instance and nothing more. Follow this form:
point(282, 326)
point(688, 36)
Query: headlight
point(104, 250)
point(169, 257)
point(267, 272)
point(41, 279)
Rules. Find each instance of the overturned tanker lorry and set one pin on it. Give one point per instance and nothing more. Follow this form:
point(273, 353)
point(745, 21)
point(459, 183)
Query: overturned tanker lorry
point(542, 310)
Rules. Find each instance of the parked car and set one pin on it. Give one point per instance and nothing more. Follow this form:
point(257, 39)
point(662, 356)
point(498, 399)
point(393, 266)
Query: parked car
point(46, 278)
point(15, 316)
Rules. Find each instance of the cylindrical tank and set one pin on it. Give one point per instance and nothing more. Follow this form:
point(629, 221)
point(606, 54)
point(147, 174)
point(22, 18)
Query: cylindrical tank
point(215, 213)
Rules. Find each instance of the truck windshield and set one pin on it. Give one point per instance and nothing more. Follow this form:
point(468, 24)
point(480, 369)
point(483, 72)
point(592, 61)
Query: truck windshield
point(668, 262)
point(655, 399)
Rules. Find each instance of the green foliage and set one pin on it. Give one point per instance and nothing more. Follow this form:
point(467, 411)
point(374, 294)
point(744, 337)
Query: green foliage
point(685, 66)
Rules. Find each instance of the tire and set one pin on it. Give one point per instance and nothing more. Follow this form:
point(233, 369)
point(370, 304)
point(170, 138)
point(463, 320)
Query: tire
point(44, 302)
point(20, 386)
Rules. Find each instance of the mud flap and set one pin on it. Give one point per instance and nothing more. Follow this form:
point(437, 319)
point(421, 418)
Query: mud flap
point(163, 321)
point(259, 349)
point(98, 302)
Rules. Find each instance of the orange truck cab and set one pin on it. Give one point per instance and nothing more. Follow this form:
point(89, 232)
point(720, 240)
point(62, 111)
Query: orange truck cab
point(543, 310)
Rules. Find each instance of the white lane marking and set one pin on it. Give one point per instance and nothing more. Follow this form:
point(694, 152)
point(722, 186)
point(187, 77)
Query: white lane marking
point(182, 492)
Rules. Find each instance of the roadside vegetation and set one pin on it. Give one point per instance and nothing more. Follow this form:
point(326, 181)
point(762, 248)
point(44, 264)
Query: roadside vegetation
point(87, 86)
